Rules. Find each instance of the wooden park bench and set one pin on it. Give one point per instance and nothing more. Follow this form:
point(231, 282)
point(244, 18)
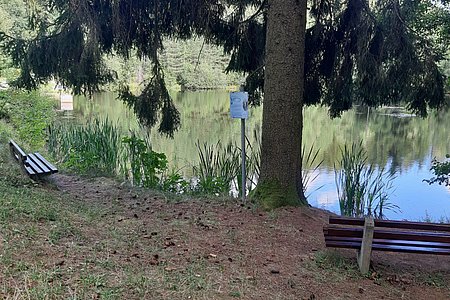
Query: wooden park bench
point(33, 164)
point(367, 235)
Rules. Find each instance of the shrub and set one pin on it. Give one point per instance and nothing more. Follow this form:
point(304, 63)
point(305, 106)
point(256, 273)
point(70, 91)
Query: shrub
point(147, 166)
point(441, 172)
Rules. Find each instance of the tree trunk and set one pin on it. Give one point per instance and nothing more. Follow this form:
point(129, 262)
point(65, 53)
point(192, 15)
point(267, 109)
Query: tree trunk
point(280, 181)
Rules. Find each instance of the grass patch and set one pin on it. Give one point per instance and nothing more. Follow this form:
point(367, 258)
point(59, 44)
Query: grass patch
point(29, 113)
point(435, 280)
point(336, 266)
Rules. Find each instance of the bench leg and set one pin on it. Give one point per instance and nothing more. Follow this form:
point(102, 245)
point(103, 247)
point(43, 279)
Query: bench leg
point(366, 246)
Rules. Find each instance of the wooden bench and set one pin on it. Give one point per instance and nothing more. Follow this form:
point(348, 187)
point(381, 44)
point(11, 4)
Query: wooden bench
point(368, 234)
point(33, 164)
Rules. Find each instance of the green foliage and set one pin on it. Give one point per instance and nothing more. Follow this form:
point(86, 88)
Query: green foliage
point(13, 20)
point(29, 113)
point(194, 64)
point(155, 97)
point(218, 167)
point(253, 154)
point(175, 183)
point(96, 148)
point(93, 148)
point(441, 172)
point(147, 166)
point(372, 55)
point(363, 189)
point(356, 51)
point(310, 167)
point(187, 65)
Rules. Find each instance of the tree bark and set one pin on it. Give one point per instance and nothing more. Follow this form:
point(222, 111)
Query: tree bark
point(280, 181)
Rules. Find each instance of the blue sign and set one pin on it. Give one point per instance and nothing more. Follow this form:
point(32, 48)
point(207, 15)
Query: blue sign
point(239, 105)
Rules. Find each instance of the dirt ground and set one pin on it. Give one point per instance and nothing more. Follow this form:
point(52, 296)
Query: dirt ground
point(221, 249)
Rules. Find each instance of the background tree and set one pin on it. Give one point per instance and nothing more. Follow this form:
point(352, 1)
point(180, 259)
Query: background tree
point(357, 51)
point(13, 20)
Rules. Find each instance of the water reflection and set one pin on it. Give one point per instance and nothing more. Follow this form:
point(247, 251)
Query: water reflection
point(394, 139)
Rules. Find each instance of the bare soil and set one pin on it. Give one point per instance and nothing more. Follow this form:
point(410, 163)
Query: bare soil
point(151, 247)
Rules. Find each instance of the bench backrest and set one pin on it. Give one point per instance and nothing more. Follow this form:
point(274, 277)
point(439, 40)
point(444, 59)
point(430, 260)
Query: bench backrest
point(17, 152)
point(399, 236)
point(392, 224)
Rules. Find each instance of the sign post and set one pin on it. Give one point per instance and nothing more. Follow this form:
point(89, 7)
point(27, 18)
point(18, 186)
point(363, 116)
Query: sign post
point(239, 110)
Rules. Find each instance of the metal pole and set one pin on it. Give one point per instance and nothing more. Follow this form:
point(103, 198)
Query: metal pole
point(244, 179)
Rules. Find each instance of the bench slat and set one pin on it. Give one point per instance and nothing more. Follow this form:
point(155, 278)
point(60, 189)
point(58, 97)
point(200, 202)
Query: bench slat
point(29, 170)
point(392, 242)
point(29, 163)
point(388, 234)
point(41, 165)
point(52, 168)
point(391, 224)
point(391, 248)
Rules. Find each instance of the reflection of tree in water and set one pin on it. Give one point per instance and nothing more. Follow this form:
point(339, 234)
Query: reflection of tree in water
point(395, 142)
point(391, 137)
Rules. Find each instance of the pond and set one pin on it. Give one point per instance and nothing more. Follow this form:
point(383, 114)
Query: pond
point(394, 139)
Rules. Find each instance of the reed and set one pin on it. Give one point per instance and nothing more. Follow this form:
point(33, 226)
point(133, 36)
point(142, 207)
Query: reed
point(218, 167)
point(363, 189)
point(310, 168)
point(91, 148)
point(253, 155)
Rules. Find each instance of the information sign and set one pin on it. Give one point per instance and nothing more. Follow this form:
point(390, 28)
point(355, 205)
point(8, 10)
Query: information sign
point(239, 105)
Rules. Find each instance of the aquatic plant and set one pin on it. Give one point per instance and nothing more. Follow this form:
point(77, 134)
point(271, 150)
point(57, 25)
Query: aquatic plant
point(363, 188)
point(310, 167)
point(92, 148)
point(218, 167)
point(253, 156)
point(174, 182)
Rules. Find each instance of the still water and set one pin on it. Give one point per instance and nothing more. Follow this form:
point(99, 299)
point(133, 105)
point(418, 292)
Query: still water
point(400, 142)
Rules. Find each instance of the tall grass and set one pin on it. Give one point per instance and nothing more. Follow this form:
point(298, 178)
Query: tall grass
point(310, 167)
point(217, 168)
point(94, 147)
point(97, 148)
point(363, 189)
point(253, 156)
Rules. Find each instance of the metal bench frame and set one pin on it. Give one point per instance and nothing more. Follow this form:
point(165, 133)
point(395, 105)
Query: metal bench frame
point(34, 164)
point(367, 235)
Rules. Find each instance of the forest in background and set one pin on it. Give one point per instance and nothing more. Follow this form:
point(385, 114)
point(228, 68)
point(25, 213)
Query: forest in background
point(188, 65)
